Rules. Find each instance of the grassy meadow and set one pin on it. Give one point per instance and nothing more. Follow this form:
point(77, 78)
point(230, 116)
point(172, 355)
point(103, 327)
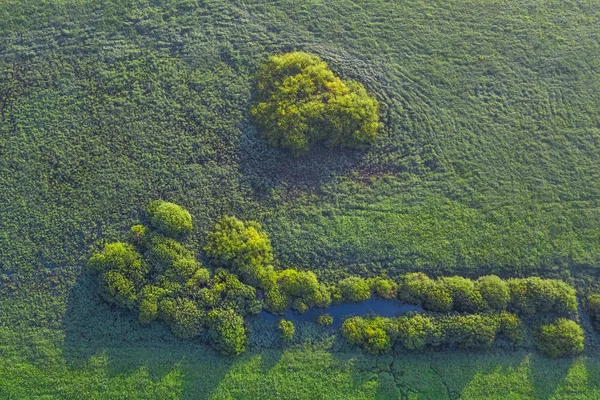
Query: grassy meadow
point(487, 163)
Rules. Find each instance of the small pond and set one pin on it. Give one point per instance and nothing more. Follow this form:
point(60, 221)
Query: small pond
point(340, 312)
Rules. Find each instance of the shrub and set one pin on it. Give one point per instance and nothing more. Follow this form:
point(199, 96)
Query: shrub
point(325, 319)
point(414, 331)
point(162, 253)
point(354, 289)
point(510, 327)
point(121, 257)
point(169, 218)
point(437, 298)
point(384, 288)
point(241, 246)
point(371, 334)
point(413, 287)
point(475, 331)
point(138, 234)
point(149, 297)
point(494, 291)
point(561, 338)
point(234, 294)
point(275, 301)
point(118, 289)
point(182, 315)
point(304, 286)
point(301, 101)
point(465, 297)
point(593, 307)
point(287, 329)
point(226, 331)
point(531, 295)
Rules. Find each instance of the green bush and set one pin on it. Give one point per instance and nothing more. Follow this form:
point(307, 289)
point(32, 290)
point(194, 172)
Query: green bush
point(413, 287)
point(593, 308)
point(138, 234)
point(532, 295)
point(414, 332)
point(226, 331)
point(243, 247)
point(561, 338)
point(437, 298)
point(149, 297)
point(121, 257)
point(475, 331)
point(384, 288)
point(304, 286)
point(235, 295)
point(371, 333)
point(301, 102)
point(511, 328)
point(354, 288)
point(325, 319)
point(182, 316)
point(276, 302)
point(162, 253)
point(287, 329)
point(494, 292)
point(169, 218)
point(118, 289)
point(465, 297)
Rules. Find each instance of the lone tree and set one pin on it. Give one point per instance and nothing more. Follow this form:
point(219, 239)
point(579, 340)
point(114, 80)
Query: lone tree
point(301, 102)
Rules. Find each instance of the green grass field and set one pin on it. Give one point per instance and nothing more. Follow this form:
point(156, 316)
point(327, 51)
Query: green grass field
point(488, 163)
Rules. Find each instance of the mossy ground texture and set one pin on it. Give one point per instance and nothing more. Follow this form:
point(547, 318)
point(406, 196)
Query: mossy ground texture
point(487, 163)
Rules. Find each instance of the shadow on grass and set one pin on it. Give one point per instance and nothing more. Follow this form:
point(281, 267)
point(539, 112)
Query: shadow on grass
point(267, 169)
point(92, 327)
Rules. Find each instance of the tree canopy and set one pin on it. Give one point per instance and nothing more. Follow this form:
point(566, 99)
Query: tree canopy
point(301, 102)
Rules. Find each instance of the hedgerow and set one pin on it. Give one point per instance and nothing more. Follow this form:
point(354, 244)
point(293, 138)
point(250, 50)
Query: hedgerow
point(560, 338)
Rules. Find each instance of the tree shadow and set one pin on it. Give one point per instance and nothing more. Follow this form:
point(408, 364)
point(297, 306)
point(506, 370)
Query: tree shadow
point(267, 169)
point(93, 327)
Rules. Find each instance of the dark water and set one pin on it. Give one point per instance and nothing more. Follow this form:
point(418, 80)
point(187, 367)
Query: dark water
point(340, 312)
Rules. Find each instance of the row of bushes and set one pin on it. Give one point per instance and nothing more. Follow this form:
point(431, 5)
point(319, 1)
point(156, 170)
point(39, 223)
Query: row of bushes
point(524, 296)
point(416, 332)
point(378, 335)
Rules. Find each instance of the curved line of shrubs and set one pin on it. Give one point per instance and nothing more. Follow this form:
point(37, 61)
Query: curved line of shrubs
point(156, 276)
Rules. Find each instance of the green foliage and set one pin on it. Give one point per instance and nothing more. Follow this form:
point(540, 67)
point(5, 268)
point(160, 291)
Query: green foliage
point(169, 219)
point(301, 102)
point(235, 295)
point(593, 308)
point(182, 315)
point(415, 332)
point(371, 333)
point(531, 295)
point(287, 329)
point(561, 338)
point(437, 298)
point(275, 301)
point(163, 253)
point(137, 235)
point(494, 291)
point(119, 257)
point(475, 331)
point(384, 288)
point(354, 288)
point(118, 289)
point(413, 287)
point(511, 328)
point(325, 319)
point(226, 330)
point(465, 296)
point(304, 286)
point(242, 246)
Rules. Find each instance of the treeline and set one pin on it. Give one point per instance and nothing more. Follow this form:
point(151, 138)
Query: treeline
point(159, 278)
point(377, 335)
